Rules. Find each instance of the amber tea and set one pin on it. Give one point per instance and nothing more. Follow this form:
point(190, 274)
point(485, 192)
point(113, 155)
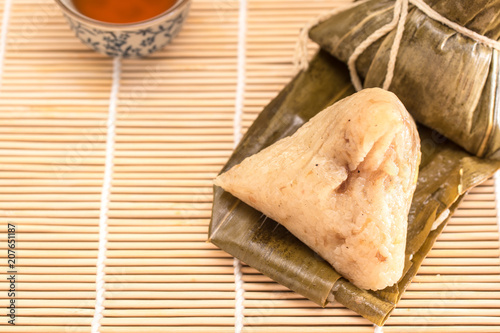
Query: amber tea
point(122, 11)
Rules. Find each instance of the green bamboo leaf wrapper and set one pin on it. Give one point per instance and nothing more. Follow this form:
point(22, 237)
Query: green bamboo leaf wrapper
point(447, 81)
point(446, 173)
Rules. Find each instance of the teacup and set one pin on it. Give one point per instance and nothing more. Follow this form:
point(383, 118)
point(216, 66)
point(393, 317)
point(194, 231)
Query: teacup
point(130, 39)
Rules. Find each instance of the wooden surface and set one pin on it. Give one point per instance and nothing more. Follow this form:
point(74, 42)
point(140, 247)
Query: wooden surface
point(174, 132)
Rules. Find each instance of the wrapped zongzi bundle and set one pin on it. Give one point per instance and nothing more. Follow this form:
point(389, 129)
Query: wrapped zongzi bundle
point(446, 79)
point(342, 184)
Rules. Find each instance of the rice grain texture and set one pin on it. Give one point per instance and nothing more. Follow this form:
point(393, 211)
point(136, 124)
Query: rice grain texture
point(342, 184)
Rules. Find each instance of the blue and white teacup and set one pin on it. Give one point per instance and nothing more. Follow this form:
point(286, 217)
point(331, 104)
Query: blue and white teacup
point(130, 39)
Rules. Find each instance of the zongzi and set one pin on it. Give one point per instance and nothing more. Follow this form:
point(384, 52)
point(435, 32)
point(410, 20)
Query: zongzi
point(447, 80)
point(343, 184)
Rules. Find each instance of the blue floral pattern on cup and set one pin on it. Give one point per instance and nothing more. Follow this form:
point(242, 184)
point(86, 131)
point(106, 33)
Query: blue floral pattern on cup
point(133, 43)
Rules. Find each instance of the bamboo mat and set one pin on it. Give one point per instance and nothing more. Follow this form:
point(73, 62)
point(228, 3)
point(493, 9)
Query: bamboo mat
point(175, 130)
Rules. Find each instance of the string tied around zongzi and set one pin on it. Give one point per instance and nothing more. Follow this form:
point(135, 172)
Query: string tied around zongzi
point(398, 22)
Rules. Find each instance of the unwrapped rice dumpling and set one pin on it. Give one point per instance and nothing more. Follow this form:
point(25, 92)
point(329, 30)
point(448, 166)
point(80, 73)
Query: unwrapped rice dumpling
point(446, 173)
point(343, 184)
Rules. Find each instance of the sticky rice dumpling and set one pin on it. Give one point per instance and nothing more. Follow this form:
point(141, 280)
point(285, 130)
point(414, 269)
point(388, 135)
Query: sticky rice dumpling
point(343, 184)
point(447, 81)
